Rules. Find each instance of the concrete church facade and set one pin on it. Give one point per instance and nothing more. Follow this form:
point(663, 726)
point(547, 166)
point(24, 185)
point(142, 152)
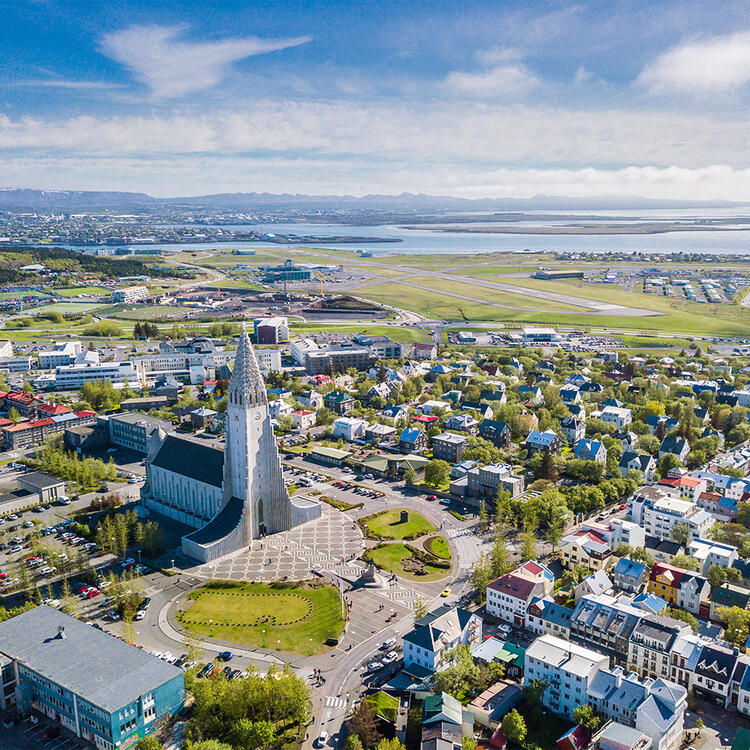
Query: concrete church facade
point(230, 497)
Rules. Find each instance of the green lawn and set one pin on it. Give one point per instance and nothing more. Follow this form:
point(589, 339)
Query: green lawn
point(388, 525)
point(391, 556)
point(438, 545)
point(290, 615)
point(384, 705)
point(73, 291)
point(16, 295)
point(709, 321)
point(70, 307)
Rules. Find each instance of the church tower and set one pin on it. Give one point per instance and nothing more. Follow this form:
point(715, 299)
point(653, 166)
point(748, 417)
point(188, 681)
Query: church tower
point(252, 470)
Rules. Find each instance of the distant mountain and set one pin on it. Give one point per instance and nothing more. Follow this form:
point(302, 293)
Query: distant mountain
point(20, 199)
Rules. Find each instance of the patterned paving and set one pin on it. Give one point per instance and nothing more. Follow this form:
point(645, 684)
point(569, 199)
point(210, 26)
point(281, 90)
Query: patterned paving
point(329, 542)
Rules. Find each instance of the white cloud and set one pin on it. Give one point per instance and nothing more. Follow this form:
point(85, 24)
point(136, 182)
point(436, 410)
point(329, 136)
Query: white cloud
point(62, 83)
point(172, 67)
point(496, 82)
point(495, 55)
point(701, 66)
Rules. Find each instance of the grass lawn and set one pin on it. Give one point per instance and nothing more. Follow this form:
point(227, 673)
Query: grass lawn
point(290, 615)
point(390, 556)
point(438, 545)
point(73, 291)
point(706, 322)
point(150, 312)
point(16, 295)
point(70, 307)
point(388, 525)
point(235, 284)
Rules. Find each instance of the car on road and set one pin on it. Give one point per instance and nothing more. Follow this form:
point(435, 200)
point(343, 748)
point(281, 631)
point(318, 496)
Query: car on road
point(385, 645)
point(445, 592)
point(113, 615)
point(140, 614)
point(225, 656)
point(432, 497)
point(322, 739)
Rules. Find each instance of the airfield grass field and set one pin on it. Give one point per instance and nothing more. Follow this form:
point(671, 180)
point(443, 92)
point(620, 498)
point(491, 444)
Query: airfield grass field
point(397, 333)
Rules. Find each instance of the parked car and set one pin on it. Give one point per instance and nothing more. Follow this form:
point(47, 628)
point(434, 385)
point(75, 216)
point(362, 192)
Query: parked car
point(322, 739)
point(225, 656)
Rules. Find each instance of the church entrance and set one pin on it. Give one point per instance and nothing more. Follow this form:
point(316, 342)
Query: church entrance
point(262, 531)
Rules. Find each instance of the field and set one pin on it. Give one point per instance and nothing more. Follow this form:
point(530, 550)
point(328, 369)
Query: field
point(390, 557)
point(73, 291)
point(388, 525)
point(70, 307)
point(279, 616)
point(707, 320)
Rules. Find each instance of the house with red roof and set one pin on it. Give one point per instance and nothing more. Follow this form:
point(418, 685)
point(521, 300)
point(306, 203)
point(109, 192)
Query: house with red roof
point(509, 597)
point(586, 547)
point(690, 488)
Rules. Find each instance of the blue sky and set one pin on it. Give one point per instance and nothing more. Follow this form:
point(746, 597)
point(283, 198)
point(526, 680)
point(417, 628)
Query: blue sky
point(461, 98)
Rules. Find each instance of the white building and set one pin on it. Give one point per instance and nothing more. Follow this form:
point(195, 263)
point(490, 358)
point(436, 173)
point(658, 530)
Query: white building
point(303, 419)
point(616, 415)
point(710, 553)
point(666, 513)
point(509, 596)
point(311, 399)
point(567, 668)
point(279, 408)
point(349, 428)
point(64, 353)
point(435, 634)
point(130, 294)
point(74, 376)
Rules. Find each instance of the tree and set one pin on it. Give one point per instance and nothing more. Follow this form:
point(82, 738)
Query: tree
point(420, 608)
point(468, 743)
point(481, 576)
point(737, 624)
point(148, 743)
point(499, 560)
point(362, 723)
point(547, 468)
point(437, 472)
point(587, 718)
point(353, 743)
point(253, 735)
point(555, 531)
point(716, 575)
point(390, 744)
point(528, 546)
point(484, 519)
point(680, 533)
point(666, 463)
point(409, 476)
point(680, 614)
point(514, 727)
point(14, 415)
point(686, 563)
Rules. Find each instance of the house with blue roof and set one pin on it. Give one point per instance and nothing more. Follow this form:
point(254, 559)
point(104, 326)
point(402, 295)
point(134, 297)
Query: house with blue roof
point(531, 393)
point(590, 450)
point(545, 615)
point(538, 441)
point(650, 603)
point(630, 576)
point(412, 440)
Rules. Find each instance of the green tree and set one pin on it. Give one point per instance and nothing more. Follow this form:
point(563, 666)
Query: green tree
point(716, 575)
point(528, 545)
point(148, 743)
point(362, 723)
point(409, 476)
point(437, 472)
point(686, 562)
point(555, 531)
point(390, 744)
point(737, 622)
point(514, 727)
point(353, 743)
point(587, 718)
point(421, 608)
point(680, 614)
point(481, 576)
point(484, 519)
point(499, 558)
point(680, 533)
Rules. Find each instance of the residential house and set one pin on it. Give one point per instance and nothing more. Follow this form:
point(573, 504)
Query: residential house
point(690, 488)
point(462, 422)
point(591, 450)
point(728, 595)
point(632, 461)
point(349, 428)
point(498, 433)
point(448, 446)
point(594, 584)
point(509, 596)
point(619, 416)
point(572, 429)
point(538, 441)
point(675, 445)
point(339, 402)
point(444, 723)
point(396, 413)
point(486, 481)
point(629, 575)
point(279, 408)
point(435, 634)
point(660, 520)
point(585, 547)
point(531, 393)
point(381, 432)
point(710, 553)
point(545, 615)
point(303, 419)
point(679, 587)
point(310, 399)
point(566, 668)
point(651, 642)
point(412, 440)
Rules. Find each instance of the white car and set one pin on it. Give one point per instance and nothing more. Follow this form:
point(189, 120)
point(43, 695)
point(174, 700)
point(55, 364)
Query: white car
point(385, 645)
point(140, 614)
point(374, 666)
point(391, 656)
point(322, 739)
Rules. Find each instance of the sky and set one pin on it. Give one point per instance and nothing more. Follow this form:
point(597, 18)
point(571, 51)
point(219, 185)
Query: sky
point(470, 98)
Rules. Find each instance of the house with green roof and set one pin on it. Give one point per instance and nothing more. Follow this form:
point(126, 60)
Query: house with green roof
point(728, 595)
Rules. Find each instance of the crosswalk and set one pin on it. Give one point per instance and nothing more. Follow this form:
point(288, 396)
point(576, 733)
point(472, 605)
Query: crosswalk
point(333, 701)
point(453, 533)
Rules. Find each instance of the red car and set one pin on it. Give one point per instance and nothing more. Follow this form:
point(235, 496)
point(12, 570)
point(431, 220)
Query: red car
point(623, 506)
point(432, 497)
point(91, 593)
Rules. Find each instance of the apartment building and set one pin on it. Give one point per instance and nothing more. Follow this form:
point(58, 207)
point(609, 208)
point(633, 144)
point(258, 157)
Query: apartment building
point(509, 596)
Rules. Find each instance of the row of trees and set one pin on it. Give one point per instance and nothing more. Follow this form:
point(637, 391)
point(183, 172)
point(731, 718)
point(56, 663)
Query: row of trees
point(117, 533)
point(87, 473)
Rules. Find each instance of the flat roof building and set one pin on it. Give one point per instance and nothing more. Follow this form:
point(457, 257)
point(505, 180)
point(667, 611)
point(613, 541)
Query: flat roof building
point(102, 689)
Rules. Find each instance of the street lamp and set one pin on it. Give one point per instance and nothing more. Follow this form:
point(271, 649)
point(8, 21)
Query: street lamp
point(264, 637)
point(310, 646)
point(211, 626)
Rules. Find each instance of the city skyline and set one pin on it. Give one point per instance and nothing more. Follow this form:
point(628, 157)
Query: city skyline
point(474, 99)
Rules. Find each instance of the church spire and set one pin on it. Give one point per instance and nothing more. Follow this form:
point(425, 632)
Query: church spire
point(246, 386)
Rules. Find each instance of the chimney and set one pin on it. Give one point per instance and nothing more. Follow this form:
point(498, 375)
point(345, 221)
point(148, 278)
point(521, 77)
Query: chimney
point(61, 631)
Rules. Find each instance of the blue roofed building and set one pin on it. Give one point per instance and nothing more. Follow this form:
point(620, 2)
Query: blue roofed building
point(538, 441)
point(628, 575)
point(591, 450)
point(412, 440)
point(102, 689)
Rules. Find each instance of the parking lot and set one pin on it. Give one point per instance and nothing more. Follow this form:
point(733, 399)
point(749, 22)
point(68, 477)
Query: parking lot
point(24, 735)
